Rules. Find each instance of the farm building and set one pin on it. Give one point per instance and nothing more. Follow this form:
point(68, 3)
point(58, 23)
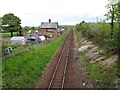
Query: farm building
point(49, 29)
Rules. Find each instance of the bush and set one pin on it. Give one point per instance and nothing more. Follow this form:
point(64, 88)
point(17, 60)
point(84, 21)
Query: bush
point(100, 34)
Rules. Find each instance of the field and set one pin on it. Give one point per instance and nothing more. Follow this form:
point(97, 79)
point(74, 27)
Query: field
point(24, 69)
point(8, 34)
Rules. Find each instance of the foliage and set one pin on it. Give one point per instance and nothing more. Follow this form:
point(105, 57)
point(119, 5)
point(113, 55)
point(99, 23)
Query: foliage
point(11, 23)
point(23, 70)
point(27, 28)
point(99, 33)
point(100, 77)
point(112, 9)
point(113, 13)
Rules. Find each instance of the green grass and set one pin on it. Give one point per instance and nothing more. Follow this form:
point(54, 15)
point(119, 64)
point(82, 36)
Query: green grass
point(101, 78)
point(8, 34)
point(24, 69)
point(100, 34)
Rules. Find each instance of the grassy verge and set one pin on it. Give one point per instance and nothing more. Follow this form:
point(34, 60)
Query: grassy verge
point(101, 78)
point(23, 70)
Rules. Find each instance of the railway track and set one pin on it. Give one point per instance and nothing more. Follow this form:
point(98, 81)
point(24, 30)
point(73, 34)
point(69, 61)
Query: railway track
point(59, 74)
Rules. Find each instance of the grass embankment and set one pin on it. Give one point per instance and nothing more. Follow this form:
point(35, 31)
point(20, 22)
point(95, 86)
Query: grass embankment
point(23, 70)
point(101, 77)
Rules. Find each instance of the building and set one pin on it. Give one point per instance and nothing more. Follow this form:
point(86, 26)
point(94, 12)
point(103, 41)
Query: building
point(49, 29)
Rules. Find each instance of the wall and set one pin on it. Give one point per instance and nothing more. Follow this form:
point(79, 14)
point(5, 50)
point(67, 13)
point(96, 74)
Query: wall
point(55, 31)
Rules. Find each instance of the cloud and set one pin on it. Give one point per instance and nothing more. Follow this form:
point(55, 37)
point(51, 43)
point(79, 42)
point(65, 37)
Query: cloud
point(32, 12)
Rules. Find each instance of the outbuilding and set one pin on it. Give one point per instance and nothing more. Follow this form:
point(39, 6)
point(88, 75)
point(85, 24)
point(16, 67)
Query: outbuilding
point(20, 40)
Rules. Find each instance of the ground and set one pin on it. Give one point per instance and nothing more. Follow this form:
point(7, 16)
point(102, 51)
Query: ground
point(76, 74)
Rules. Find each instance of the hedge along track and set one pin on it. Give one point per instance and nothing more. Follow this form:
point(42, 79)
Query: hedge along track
point(59, 74)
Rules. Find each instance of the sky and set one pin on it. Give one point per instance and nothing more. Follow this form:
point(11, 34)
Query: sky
point(65, 12)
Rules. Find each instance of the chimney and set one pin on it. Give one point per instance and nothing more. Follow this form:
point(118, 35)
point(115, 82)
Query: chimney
point(49, 20)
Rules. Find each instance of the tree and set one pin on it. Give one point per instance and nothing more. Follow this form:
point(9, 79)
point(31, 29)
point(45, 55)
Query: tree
point(115, 12)
point(111, 14)
point(26, 28)
point(11, 23)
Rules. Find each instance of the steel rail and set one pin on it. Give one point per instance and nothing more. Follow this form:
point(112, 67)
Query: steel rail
point(58, 63)
point(66, 64)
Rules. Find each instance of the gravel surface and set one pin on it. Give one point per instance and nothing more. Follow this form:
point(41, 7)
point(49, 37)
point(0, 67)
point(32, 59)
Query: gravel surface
point(76, 76)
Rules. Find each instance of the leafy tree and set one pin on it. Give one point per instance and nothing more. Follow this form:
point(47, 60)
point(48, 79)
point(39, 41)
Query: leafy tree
point(26, 28)
point(111, 14)
point(11, 23)
point(35, 28)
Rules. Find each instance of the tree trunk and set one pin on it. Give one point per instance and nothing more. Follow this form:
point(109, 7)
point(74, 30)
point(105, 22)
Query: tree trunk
point(112, 25)
point(20, 33)
point(11, 33)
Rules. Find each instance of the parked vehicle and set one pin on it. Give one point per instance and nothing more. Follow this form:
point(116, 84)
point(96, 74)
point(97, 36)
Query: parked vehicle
point(42, 38)
point(36, 39)
point(31, 38)
point(19, 40)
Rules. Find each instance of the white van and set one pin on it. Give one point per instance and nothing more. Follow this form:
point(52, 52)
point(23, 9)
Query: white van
point(20, 40)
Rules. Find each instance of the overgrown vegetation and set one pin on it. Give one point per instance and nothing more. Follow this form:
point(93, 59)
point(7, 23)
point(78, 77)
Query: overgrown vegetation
point(100, 34)
point(23, 70)
point(100, 77)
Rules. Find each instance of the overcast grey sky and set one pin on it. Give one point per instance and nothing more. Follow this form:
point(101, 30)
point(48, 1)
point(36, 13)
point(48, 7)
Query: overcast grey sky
point(65, 12)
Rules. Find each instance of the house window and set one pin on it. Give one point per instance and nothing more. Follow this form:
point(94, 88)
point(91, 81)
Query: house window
point(49, 30)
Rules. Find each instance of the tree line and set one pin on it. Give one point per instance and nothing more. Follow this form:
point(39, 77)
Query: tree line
point(105, 34)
